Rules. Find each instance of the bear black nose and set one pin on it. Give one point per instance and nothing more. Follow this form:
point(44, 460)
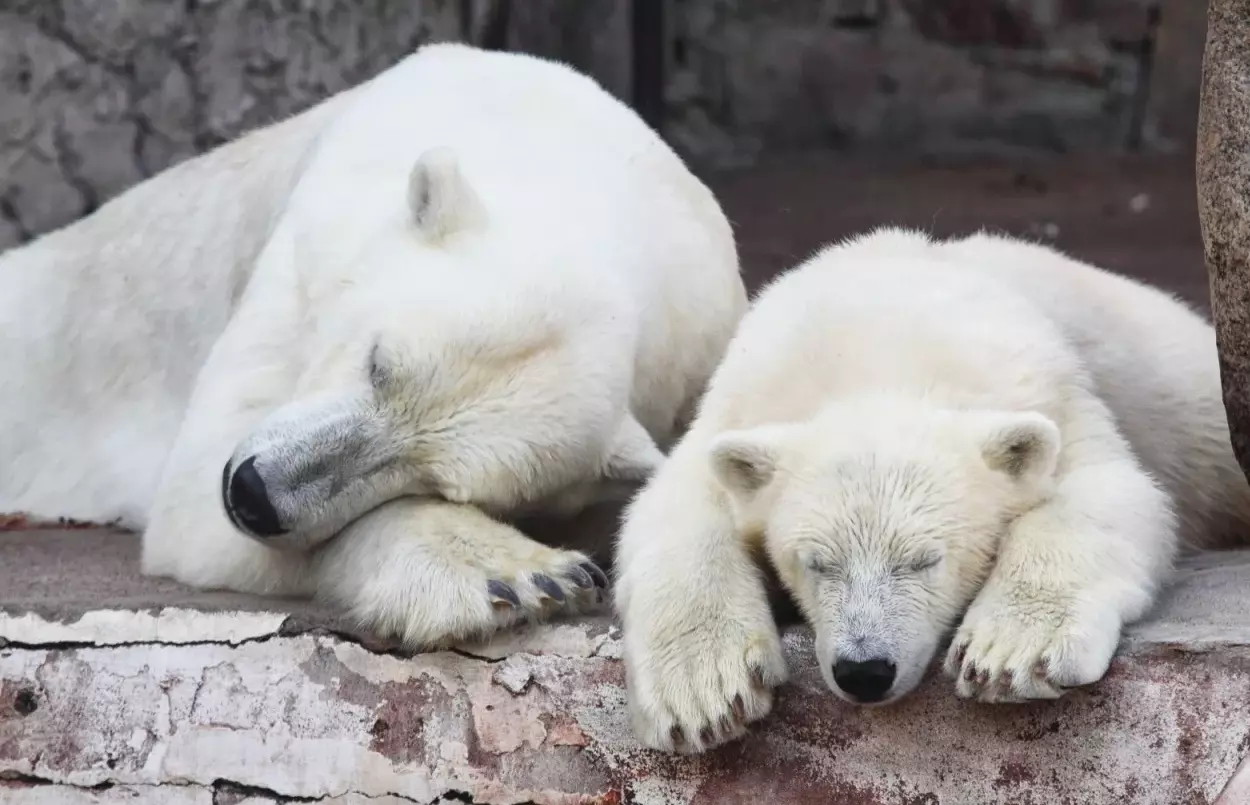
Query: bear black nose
point(865, 681)
point(247, 501)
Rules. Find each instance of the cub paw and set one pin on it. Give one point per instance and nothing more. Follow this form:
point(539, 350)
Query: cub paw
point(1015, 648)
point(697, 684)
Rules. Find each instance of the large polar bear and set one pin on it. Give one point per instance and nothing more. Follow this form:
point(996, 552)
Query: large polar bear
point(475, 285)
point(904, 428)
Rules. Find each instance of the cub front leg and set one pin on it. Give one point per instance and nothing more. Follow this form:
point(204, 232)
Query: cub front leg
point(433, 573)
point(1070, 574)
point(702, 652)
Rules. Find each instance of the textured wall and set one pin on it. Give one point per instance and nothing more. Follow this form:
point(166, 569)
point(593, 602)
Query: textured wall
point(97, 94)
point(752, 76)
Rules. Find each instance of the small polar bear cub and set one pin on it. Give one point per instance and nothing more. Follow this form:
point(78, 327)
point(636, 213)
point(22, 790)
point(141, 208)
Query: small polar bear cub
point(326, 358)
point(919, 435)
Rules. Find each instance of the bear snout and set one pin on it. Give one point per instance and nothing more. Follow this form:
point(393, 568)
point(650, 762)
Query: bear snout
point(247, 501)
point(866, 682)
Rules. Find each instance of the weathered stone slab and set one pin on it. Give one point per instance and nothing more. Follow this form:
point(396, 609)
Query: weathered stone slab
point(278, 704)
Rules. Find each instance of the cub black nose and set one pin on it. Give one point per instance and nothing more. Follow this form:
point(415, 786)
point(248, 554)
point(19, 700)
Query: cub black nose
point(247, 501)
point(865, 681)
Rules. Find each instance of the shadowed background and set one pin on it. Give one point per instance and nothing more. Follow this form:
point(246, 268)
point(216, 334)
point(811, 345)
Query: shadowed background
point(782, 104)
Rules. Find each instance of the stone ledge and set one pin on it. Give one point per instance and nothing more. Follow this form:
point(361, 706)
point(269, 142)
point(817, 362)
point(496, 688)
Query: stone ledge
point(181, 697)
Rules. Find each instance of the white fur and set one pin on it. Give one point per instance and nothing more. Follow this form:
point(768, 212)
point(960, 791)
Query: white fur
point(907, 428)
point(476, 284)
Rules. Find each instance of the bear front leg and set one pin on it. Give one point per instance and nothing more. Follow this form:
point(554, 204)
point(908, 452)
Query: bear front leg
point(433, 573)
point(702, 652)
point(1069, 575)
point(250, 370)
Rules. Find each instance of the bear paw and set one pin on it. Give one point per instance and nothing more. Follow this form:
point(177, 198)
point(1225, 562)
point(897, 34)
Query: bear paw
point(453, 575)
point(1013, 648)
point(694, 688)
point(497, 592)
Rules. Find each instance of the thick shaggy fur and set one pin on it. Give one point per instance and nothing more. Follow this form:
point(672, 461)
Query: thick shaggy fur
point(980, 433)
point(322, 359)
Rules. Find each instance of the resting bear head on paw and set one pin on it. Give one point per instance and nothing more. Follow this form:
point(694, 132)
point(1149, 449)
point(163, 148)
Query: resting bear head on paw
point(883, 519)
point(428, 377)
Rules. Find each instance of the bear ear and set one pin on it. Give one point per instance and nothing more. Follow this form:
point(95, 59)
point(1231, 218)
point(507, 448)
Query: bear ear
point(1024, 446)
point(746, 461)
point(439, 198)
point(632, 456)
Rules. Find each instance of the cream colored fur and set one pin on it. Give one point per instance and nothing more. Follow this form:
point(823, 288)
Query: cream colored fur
point(980, 434)
point(473, 286)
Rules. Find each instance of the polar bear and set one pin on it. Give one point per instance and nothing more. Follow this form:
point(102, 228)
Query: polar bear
point(327, 359)
point(904, 428)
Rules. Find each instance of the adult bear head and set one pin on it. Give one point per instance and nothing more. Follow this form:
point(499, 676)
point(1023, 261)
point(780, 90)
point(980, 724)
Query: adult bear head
point(462, 358)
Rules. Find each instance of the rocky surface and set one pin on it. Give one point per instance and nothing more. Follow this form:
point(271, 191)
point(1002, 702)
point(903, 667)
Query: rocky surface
point(96, 95)
point(1223, 167)
point(761, 76)
point(178, 697)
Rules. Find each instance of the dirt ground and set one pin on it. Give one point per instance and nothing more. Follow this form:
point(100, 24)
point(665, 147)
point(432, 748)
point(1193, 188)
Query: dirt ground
point(1134, 215)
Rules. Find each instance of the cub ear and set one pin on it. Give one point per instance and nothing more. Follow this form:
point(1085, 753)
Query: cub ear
point(745, 461)
point(440, 199)
point(1024, 446)
point(632, 456)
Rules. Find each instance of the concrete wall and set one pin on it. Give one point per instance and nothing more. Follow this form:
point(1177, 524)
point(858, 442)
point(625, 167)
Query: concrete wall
point(95, 95)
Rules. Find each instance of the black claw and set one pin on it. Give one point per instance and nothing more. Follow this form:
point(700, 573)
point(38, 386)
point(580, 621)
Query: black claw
point(549, 586)
point(579, 577)
point(600, 578)
point(503, 592)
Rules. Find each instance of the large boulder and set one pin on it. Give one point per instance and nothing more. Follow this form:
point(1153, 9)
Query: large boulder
point(1224, 203)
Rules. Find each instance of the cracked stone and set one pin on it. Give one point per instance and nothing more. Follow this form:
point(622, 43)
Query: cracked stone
point(49, 794)
point(515, 675)
point(268, 712)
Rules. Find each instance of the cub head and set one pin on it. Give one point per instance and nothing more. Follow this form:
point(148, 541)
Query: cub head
point(883, 520)
point(429, 375)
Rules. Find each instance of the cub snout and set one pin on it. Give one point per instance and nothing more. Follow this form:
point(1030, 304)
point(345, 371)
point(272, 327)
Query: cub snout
point(865, 681)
